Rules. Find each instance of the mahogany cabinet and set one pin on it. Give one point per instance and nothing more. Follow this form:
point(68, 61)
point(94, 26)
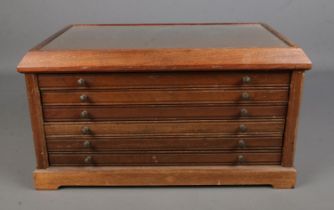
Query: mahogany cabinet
point(164, 104)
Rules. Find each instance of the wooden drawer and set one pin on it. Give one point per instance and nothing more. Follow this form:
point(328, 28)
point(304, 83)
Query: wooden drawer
point(165, 158)
point(172, 96)
point(163, 79)
point(168, 104)
point(164, 127)
point(155, 112)
point(98, 144)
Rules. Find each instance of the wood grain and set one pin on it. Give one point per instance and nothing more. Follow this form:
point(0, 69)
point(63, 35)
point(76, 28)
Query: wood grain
point(173, 143)
point(164, 127)
point(36, 117)
point(165, 116)
point(291, 126)
point(161, 112)
point(163, 79)
point(168, 96)
point(164, 60)
point(55, 177)
point(202, 59)
point(165, 158)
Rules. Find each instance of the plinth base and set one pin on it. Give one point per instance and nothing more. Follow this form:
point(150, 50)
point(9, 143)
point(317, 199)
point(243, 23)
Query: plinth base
point(54, 177)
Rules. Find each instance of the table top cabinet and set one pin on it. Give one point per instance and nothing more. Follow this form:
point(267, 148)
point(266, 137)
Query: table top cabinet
point(164, 104)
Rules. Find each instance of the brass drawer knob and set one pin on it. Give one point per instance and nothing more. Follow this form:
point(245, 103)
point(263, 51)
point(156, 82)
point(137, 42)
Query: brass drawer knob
point(241, 159)
point(243, 128)
point(245, 96)
point(241, 143)
point(86, 144)
point(88, 159)
point(246, 79)
point(83, 98)
point(84, 114)
point(243, 112)
point(81, 82)
point(85, 130)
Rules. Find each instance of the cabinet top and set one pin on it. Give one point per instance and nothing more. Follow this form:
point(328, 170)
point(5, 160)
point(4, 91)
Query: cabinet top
point(164, 47)
point(93, 37)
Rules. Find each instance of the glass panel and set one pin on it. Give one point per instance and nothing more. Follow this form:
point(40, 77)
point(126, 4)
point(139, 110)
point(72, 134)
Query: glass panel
point(168, 36)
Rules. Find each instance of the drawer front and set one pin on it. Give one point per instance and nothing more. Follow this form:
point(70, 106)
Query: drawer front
point(166, 118)
point(164, 127)
point(154, 112)
point(175, 96)
point(163, 79)
point(99, 144)
point(171, 158)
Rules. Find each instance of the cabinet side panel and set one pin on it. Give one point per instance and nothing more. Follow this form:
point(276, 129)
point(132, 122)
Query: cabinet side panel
point(36, 117)
point(291, 126)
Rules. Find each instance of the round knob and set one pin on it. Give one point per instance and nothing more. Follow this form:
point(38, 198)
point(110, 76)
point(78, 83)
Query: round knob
point(243, 128)
point(88, 159)
point(243, 112)
point(245, 96)
point(84, 114)
point(86, 144)
point(81, 82)
point(246, 79)
point(83, 98)
point(241, 159)
point(241, 143)
point(85, 130)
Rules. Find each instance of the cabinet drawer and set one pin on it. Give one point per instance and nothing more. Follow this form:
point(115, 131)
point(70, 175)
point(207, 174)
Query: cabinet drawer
point(99, 144)
point(164, 127)
point(163, 79)
point(175, 96)
point(166, 158)
point(154, 112)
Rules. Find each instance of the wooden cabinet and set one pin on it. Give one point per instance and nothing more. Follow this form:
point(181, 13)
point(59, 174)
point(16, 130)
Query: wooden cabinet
point(208, 109)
